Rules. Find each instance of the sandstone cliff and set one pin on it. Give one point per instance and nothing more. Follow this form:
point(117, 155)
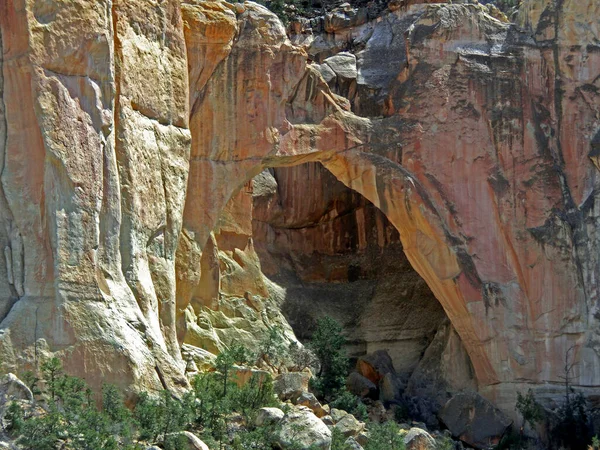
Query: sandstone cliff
point(127, 127)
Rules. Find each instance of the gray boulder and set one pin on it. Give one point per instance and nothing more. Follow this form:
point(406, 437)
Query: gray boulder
point(343, 64)
point(12, 388)
point(352, 444)
point(268, 416)
point(349, 426)
point(474, 420)
point(418, 439)
point(300, 427)
point(289, 386)
point(360, 385)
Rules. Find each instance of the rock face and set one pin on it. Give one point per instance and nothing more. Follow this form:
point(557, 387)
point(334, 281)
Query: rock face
point(476, 139)
point(94, 174)
point(474, 420)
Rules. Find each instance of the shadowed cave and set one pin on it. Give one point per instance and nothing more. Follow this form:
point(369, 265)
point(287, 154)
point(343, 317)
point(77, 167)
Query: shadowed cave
point(336, 254)
point(295, 244)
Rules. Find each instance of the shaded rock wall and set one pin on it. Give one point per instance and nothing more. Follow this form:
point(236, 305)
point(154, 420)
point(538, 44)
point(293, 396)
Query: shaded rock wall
point(336, 254)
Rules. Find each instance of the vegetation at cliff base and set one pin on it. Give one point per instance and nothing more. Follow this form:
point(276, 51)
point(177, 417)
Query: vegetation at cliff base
point(66, 414)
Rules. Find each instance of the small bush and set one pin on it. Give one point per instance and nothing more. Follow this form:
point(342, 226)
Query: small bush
point(327, 343)
point(350, 403)
point(384, 437)
point(530, 409)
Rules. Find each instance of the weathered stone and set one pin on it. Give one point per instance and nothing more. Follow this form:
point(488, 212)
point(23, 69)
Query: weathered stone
point(375, 366)
point(343, 65)
point(338, 414)
point(475, 139)
point(352, 444)
point(328, 420)
point(268, 416)
point(418, 439)
point(309, 400)
point(360, 385)
point(349, 426)
point(474, 420)
point(291, 385)
point(12, 388)
point(192, 442)
point(301, 427)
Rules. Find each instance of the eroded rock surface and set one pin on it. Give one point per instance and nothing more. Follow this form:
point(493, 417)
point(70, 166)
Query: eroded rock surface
point(476, 139)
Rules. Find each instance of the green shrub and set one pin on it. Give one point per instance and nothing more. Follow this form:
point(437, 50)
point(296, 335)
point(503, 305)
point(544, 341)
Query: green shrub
point(72, 421)
point(530, 409)
point(272, 349)
point(338, 440)
point(573, 430)
point(159, 418)
point(15, 418)
point(327, 343)
point(384, 437)
point(350, 403)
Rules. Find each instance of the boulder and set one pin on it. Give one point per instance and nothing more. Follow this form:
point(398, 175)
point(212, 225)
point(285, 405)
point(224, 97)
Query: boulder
point(327, 420)
point(268, 416)
point(418, 439)
point(300, 427)
point(343, 64)
point(375, 366)
point(326, 72)
point(192, 442)
point(289, 386)
point(337, 414)
point(309, 400)
point(474, 420)
point(362, 438)
point(349, 426)
point(352, 444)
point(360, 385)
point(390, 388)
point(12, 388)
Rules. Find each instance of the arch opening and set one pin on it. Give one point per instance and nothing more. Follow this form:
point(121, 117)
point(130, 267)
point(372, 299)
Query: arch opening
point(295, 244)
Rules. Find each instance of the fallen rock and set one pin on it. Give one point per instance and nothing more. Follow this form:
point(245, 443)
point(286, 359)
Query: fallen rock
point(309, 400)
point(343, 64)
point(12, 388)
point(192, 442)
point(300, 427)
point(337, 414)
point(352, 444)
point(375, 366)
point(289, 386)
point(418, 439)
point(474, 420)
point(327, 420)
point(362, 438)
point(360, 385)
point(268, 416)
point(349, 426)
point(390, 388)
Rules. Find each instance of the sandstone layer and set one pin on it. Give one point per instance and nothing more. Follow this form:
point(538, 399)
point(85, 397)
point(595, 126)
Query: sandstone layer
point(127, 127)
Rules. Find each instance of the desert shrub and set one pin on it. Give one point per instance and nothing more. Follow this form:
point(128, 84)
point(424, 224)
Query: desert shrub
point(272, 349)
point(158, 418)
point(327, 343)
point(573, 430)
point(14, 418)
point(350, 403)
point(72, 420)
point(301, 357)
point(384, 437)
point(338, 440)
point(530, 409)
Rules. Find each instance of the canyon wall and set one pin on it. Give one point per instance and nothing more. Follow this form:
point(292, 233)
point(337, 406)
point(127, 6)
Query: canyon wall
point(127, 128)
